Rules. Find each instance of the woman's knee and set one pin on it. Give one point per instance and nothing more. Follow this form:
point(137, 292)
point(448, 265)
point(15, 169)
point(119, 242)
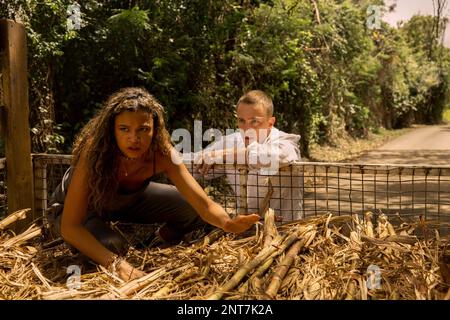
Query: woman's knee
point(186, 222)
point(115, 243)
point(111, 239)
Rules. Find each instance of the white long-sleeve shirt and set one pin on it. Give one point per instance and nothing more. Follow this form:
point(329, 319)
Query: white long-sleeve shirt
point(278, 150)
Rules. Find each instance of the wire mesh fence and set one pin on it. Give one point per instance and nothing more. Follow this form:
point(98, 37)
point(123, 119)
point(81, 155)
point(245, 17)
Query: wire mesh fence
point(297, 191)
point(242, 189)
point(48, 172)
point(354, 188)
point(3, 190)
point(307, 189)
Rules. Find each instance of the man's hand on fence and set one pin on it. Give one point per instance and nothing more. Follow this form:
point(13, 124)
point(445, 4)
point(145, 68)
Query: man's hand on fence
point(208, 159)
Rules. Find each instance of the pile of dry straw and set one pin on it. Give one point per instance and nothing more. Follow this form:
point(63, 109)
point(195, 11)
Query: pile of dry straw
point(329, 257)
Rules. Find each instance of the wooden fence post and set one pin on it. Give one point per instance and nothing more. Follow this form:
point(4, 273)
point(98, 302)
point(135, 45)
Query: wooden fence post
point(13, 45)
point(243, 179)
point(40, 185)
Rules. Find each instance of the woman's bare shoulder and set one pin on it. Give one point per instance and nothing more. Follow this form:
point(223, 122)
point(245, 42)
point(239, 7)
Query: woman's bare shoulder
point(166, 161)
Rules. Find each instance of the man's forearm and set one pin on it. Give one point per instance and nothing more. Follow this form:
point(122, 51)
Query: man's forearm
point(237, 155)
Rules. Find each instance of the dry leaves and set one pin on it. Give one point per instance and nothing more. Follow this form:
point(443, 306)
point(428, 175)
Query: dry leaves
point(329, 257)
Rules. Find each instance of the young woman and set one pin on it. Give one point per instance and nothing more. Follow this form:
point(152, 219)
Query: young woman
point(115, 156)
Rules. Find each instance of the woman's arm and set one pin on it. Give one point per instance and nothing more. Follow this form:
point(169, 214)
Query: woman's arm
point(74, 232)
point(208, 210)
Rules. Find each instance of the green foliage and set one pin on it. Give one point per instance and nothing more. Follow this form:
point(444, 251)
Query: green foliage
point(45, 23)
point(326, 72)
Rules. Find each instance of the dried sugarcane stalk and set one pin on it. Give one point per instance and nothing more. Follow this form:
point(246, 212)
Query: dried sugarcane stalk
point(356, 223)
point(362, 287)
point(355, 244)
point(355, 240)
point(368, 224)
point(182, 276)
point(266, 201)
point(263, 267)
point(382, 229)
point(213, 236)
point(205, 269)
point(136, 284)
point(164, 291)
point(390, 228)
point(67, 294)
point(28, 234)
point(40, 276)
point(255, 279)
point(351, 291)
point(240, 274)
point(326, 230)
point(388, 240)
point(270, 229)
point(13, 217)
point(282, 270)
point(255, 284)
point(243, 177)
point(270, 233)
point(298, 233)
point(411, 268)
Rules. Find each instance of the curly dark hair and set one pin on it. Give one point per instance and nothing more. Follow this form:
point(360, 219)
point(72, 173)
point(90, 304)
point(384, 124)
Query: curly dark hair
point(97, 142)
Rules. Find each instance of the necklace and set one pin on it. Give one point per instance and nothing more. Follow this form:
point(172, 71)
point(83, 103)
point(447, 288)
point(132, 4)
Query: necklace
point(127, 171)
point(127, 159)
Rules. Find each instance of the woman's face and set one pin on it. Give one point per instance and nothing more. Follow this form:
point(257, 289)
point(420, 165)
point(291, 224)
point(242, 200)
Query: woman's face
point(133, 132)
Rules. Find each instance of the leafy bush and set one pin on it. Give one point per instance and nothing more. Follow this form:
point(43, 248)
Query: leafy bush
point(326, 72)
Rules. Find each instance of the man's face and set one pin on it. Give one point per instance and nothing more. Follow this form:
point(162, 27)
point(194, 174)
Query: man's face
point(253, 122)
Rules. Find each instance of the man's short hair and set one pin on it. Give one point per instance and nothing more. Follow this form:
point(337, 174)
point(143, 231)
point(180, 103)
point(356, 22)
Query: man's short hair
point(258, 97)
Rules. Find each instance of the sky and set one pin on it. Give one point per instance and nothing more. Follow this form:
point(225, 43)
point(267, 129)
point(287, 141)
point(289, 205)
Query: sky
point(407, 8)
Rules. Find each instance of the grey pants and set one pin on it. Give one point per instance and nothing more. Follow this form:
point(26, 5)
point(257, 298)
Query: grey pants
point(154, 203)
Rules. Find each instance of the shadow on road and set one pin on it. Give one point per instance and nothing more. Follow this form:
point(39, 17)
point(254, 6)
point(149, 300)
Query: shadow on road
point(417, 157)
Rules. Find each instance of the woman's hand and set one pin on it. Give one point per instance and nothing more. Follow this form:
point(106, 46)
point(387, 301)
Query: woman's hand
point(127, 272)
point(240, 223)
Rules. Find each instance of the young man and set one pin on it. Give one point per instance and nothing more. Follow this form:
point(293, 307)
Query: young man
point(264, 149)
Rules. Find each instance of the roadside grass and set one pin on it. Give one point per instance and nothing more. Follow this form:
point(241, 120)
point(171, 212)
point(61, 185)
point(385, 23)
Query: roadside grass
point(348, 148)
point(446, 116)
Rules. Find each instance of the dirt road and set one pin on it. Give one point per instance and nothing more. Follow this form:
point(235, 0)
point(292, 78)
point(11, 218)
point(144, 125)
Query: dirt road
point(394, 190)
point(426, 145)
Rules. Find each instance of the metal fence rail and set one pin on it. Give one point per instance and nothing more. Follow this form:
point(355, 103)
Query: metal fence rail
point(355, 188)
point(301, 189)
point(344, 188)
